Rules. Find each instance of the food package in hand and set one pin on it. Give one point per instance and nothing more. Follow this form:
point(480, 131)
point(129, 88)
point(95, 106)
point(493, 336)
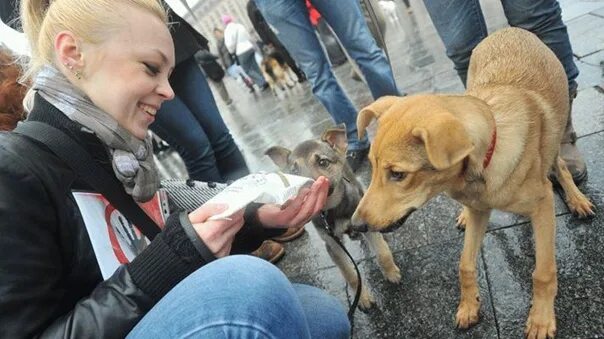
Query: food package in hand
point(264, 188)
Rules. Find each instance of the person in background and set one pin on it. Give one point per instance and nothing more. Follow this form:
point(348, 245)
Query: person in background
point(192, 124)
point(237, 42)
point(100, 71)
point(226, 58)
point(11, 92)
point(461, 26)
point(291, 23)
point(269, 38)
point(214, 71)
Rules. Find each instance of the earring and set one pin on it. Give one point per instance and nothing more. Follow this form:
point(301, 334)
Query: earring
point(78, 75)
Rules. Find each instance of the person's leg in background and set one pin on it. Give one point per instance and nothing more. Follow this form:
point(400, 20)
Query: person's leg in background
point(461, 26)
point(192, 124)
point(249, 64)
point(243, 297)
point(294, 30)
point(544, 19)
point(348, 23)
point(175, 124)
point(222, 91)
point(289, 60)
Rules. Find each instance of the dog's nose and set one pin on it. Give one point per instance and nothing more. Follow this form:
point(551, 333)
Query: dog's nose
point(357, 223)
point(360, 228)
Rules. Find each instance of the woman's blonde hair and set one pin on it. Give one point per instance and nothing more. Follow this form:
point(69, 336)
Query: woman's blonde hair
point(90, 20)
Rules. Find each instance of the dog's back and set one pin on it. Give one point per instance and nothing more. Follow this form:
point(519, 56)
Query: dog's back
point(525, 85)
point(516, 57)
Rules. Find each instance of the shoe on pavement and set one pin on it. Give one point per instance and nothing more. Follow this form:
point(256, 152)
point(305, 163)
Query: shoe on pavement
point(289, 235)
point(270, 251)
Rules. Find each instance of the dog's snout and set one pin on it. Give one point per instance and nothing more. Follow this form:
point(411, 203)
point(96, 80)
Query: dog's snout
point(357, 222)
point(360, 228)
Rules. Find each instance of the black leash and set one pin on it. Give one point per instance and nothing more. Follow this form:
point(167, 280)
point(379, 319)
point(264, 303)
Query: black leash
point(357, 295)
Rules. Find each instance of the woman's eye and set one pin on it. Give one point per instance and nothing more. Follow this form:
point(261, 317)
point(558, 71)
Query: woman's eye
point(152, 69)
point(397, 176)
point(323, 163)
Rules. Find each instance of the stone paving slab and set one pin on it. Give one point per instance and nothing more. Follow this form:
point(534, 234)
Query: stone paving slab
point(423, 305)
point(586, 34)
point(588, 111)
point(590, 71)
point(509, 257)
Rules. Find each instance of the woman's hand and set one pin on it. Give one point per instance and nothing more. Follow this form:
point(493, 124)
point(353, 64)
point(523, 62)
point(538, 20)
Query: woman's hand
point(298, 211)
point(217, 235)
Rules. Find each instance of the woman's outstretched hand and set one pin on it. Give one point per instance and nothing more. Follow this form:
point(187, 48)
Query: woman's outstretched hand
point(298, 211)
point(217, 235)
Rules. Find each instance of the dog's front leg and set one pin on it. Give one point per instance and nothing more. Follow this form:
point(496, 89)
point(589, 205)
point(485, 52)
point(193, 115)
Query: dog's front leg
point(380, 247)
point(541, 322)
point(469, 302)
point(341, 260)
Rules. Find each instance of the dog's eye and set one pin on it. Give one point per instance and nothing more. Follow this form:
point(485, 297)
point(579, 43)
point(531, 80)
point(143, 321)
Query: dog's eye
point(323, 163)
point(397, 176)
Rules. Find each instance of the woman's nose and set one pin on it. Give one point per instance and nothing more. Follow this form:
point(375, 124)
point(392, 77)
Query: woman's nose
point(165, 90)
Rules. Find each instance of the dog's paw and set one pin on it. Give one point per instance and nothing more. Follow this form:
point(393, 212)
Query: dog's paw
point(393, 274)
point(366, 301)
point(461, 221)
point(581, 206)
point(467, 313)
point(541, 324)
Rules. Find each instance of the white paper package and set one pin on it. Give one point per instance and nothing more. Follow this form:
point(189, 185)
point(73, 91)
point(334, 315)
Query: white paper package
point(265, 188)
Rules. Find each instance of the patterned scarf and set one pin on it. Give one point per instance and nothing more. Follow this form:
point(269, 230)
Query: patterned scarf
point(132, 158)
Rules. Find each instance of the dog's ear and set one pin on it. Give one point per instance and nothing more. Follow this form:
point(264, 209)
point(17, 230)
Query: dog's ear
point(279, 155)
point(336, 138)
point(446, 142)
point(373, 111)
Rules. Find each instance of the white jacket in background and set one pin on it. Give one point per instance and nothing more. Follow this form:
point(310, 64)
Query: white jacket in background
point(236, 39)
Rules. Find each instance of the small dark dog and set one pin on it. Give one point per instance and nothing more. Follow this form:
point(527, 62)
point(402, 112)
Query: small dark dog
point(327, 157)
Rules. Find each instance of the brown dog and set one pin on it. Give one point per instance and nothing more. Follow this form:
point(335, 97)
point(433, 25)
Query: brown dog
point(490, 148)
point(327, 157)
point(276, 72)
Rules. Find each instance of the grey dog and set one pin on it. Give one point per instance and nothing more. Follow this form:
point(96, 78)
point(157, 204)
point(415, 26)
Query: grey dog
point(327, 157)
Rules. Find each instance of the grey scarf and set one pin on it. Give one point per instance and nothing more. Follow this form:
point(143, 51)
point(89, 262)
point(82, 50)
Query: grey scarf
point(132, 158)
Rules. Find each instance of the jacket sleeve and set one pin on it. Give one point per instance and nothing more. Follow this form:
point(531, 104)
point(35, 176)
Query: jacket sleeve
point(32, 268)
point(253, 233)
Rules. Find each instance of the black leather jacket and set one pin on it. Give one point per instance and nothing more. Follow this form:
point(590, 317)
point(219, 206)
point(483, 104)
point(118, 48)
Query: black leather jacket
point(50, 282)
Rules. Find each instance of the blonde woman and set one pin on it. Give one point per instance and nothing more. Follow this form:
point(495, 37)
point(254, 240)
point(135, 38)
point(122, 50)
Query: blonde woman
point(100, 72)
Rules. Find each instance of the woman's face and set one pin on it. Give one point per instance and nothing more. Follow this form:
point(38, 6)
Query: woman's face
point(127, 75)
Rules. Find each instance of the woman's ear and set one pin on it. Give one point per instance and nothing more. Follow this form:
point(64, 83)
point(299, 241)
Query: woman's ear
point(68, 51)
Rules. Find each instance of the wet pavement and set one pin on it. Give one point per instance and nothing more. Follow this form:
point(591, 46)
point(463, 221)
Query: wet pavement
point(427, 249)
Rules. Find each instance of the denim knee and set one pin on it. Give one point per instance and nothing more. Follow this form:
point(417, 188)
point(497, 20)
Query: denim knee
point(241, 295)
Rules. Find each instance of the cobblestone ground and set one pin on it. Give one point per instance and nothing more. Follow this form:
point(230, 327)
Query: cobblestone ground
point(428, 248)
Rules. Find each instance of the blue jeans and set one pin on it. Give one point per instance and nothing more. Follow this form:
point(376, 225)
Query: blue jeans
point(461, 26)
point(293, 28)
point(243, 297)
point(191, 123)
point(249, 64)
